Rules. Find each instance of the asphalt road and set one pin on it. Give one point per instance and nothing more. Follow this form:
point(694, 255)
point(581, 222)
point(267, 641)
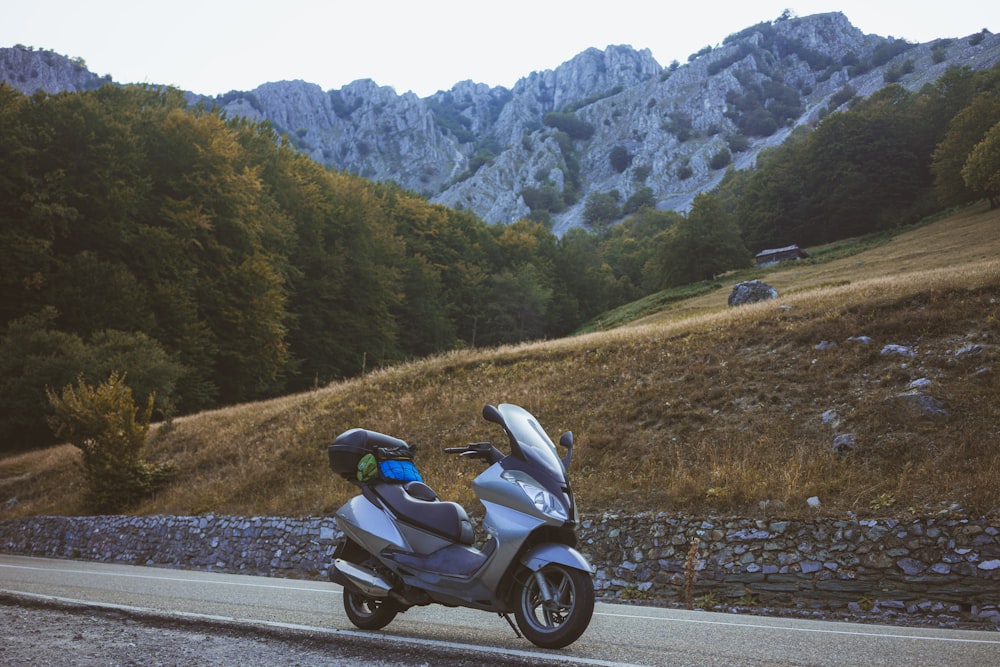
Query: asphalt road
point(618, 635)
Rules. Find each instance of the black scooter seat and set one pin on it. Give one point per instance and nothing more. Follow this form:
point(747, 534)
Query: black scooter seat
point(446, 519)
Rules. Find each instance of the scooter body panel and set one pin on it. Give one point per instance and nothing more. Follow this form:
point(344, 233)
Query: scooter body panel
point(369, 526)
point(541, 555)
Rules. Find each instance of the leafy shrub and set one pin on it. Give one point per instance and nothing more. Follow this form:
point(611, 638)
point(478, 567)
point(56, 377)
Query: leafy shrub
point(620, 158)
point(594, 98)
point(939, 53)
point(570, 124)
point(759, 123)
point(680, 125)
point(737, 143)
point(722, 63)
point(842, 96)
point(759, 109)
point(721, 159)
point(572, 167)
point(545, 198)
point(643, 197)
point(482, 157)
point(896, 72)
point(601, 208)
point(705, 50)
point(35, 355)
point(105, 424)
point(641, 173)
point(449, 118)
point(888, 50)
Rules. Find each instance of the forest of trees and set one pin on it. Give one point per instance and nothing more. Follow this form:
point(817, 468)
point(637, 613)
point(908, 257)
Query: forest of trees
point(214, 264)
point(892, 159)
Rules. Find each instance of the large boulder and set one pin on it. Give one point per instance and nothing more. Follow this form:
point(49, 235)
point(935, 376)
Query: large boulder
point(751, 291)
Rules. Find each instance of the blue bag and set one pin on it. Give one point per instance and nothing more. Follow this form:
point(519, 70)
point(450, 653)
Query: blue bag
point(399, 471)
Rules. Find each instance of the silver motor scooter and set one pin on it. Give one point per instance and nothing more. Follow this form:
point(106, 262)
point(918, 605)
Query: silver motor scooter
point(402, 546)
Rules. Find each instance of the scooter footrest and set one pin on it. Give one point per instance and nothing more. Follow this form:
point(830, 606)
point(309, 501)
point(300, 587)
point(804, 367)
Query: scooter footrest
point(456, 560)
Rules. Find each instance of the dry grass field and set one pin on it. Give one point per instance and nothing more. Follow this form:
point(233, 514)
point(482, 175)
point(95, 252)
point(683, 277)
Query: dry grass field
point(699, 408)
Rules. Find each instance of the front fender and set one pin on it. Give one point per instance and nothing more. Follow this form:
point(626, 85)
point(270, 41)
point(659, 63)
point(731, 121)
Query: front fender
point(541, 555)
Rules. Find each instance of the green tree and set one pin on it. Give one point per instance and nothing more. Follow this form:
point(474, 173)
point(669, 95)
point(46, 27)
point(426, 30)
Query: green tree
point(721, 159)
point(766, 206)
point(92, 294)
point(451, 254)
point(576, 128)
point(966, 130)
point(105, 424)
point(583, 284)
point(874, 168)
point(228, 238)
point(425, 326)
point(25, 241)
point(346, 284)
point(706, 243)
point(628, 249)
point(518, 307)
point(601, 208)
point(545, 198)
point(859, 171)
point(127, 211)
point(644, 197)
point(34, 355)
point(982, 170)
point(620, 158)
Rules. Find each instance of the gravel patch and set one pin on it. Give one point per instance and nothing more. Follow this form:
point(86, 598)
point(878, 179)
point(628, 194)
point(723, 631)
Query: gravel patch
point(56, 633)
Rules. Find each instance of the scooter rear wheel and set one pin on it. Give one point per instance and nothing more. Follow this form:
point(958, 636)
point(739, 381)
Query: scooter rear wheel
point(369, 613)
point(562, 620)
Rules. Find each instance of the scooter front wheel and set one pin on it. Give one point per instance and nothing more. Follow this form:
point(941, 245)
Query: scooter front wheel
point(369, 613)
point(559, 620)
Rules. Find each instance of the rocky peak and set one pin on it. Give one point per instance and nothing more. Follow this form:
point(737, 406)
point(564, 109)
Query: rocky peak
point(590, 73)
point(30, 70)
point(831, 34)
point(546, 145)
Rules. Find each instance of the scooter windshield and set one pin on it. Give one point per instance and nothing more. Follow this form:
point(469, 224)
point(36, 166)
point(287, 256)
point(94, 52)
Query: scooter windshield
point(535, 445)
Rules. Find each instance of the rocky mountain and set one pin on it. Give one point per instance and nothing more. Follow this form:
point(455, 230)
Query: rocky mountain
point(30, 70)
point(613, 123)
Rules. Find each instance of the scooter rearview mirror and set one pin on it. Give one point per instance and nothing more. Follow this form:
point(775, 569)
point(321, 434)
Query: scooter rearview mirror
point(491, 414)
point(566, 440)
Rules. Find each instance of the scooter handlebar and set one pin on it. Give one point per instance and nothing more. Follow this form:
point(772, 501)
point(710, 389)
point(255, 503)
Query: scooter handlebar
point(477, 450)
point(472, 448)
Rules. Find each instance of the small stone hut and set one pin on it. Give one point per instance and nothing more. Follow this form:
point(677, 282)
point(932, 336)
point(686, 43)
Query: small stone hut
point(775, 255)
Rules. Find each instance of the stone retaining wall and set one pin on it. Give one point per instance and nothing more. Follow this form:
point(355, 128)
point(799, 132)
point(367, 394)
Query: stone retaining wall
point(933, 566)
point(928, 567)
point(270, 546)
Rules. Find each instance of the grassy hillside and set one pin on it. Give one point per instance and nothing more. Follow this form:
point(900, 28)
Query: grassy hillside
point(697, 407)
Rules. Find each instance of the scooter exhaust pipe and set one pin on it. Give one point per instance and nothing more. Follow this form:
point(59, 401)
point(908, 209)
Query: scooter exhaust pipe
point(361, 578)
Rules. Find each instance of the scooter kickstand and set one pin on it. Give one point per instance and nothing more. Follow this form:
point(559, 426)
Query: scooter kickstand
point(512, 626)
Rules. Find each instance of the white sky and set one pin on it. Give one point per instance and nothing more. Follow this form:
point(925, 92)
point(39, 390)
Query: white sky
point(214, 46)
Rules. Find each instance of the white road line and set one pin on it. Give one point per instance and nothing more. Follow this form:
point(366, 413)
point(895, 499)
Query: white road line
point(246, 584)
point(475, 648)
point(852, 633)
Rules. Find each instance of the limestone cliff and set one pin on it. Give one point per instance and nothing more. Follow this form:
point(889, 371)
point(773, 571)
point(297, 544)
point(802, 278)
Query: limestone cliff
point(612, 122)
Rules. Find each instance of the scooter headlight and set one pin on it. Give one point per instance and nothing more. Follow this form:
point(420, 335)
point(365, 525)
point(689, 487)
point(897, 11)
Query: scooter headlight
point(544, 501)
